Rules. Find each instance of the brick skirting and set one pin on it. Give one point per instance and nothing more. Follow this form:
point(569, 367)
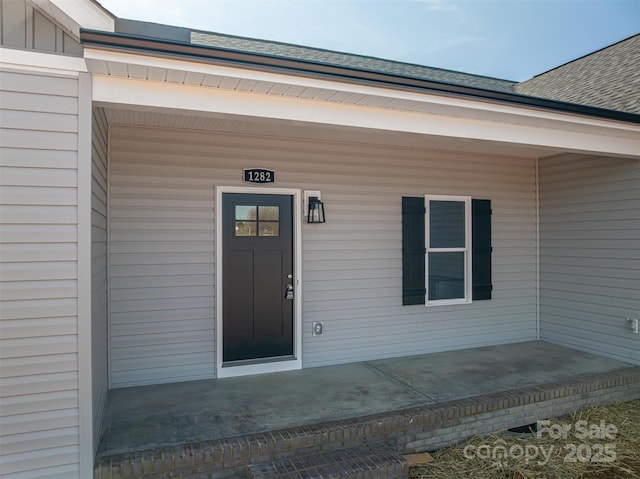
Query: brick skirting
point(411, 430)
point(362, 462)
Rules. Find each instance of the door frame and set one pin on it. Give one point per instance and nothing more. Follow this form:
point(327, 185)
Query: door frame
point(277, 364)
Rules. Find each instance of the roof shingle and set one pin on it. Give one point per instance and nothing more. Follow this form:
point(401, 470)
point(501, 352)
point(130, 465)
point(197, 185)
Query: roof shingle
point(348, 60)
point(608, 78)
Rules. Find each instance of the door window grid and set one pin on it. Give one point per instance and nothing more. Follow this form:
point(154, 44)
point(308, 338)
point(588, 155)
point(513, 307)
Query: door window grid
point(257, 220)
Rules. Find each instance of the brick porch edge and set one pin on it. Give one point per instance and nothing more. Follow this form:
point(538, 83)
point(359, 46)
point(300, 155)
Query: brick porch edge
point(410, 430)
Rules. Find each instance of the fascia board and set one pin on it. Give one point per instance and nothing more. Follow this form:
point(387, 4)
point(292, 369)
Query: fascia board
point(130, 93)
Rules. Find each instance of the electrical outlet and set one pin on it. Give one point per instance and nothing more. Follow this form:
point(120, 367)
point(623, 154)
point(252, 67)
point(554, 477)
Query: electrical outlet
point(633, 325)
point(317, 328)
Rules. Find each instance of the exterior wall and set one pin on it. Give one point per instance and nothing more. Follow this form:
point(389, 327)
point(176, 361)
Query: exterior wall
point(39, 409)
point(161, 262)
point(162, 248)
point(590, 254)
point(22, 26)
point(99, 346)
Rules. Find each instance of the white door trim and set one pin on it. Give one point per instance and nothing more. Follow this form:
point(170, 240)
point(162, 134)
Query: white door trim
point(277, 365)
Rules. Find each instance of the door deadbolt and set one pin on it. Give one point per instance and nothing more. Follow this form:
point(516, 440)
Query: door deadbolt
point(288, 294)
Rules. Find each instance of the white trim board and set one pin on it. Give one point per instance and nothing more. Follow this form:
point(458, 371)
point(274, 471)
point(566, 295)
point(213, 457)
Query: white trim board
point(85, 389)
point(275, 366)
point(41, 62)
point(575, 136)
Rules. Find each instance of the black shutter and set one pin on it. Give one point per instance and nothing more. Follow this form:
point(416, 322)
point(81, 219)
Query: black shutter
point(481, 242)
point(413, 251)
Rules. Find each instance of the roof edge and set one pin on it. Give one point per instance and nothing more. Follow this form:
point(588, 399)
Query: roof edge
point(579, 58)
point(355, 55)
point(272, 63)
point(170, 32)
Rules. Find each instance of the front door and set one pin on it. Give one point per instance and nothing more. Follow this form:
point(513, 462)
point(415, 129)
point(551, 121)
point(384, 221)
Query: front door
point(257, 275)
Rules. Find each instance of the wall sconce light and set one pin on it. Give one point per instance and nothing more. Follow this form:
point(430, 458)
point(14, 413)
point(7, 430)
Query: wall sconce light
point(313, 207)
point(315, 213)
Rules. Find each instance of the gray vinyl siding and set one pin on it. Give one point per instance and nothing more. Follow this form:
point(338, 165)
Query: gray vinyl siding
point(99, 267)
point(590, 254)
point(161, 270)
point(23, 26)
point(162, 280)
point(38, 276)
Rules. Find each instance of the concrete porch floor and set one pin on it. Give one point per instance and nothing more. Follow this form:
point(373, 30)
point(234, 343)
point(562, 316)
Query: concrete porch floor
point(149, 417)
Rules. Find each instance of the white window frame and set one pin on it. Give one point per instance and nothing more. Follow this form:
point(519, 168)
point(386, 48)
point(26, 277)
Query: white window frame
point(467, 250)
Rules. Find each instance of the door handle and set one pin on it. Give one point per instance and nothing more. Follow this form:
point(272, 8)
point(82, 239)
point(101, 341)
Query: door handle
point(288, 293)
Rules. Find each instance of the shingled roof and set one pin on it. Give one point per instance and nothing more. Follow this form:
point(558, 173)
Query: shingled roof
point(608, 78)
point(348, 60)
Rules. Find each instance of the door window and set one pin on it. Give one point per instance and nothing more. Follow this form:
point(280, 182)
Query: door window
point(257, 220)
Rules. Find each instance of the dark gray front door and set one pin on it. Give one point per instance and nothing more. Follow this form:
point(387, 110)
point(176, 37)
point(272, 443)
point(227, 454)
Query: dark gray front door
point(257, 269)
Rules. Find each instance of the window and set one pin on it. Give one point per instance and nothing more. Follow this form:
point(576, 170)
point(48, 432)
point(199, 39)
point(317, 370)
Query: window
point(448, 252)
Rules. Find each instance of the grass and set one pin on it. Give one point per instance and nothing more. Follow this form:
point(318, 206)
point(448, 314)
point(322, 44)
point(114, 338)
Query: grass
point(598, 442)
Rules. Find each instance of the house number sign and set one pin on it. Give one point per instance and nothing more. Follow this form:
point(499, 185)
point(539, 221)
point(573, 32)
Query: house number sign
point(259, 175)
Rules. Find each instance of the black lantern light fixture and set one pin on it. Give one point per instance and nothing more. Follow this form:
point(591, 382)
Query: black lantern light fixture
point(315, 212)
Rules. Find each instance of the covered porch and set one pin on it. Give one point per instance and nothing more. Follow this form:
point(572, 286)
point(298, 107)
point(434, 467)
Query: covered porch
point(165, 145)
point(415, 378)
point(410, 404)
